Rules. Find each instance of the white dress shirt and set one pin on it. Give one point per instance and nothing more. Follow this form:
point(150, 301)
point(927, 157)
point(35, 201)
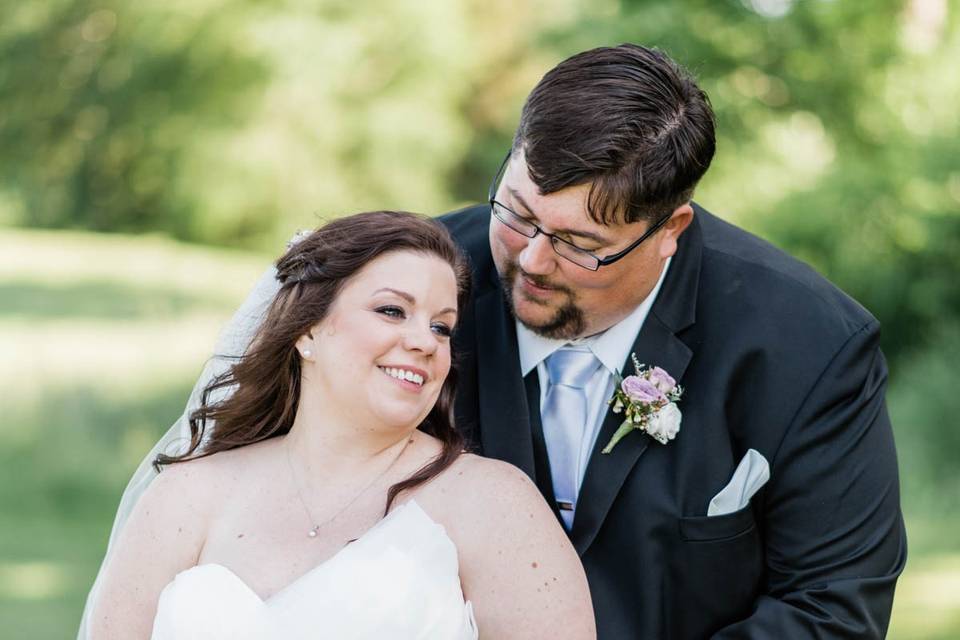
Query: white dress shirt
point(611, 347)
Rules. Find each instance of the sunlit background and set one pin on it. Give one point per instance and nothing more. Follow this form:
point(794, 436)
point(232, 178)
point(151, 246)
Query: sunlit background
point(155, 155)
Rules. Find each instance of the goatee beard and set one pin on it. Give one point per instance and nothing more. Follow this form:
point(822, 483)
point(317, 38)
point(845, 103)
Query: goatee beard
point(567, 322)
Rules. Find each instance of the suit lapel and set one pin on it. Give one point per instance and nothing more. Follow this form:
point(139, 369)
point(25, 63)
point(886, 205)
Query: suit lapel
point(606, 473)
point(656, 344)
point(504, 417)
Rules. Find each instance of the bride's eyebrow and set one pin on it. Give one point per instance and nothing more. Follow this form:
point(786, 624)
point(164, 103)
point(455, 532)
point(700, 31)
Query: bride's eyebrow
point(403, 294)
point(409, 298)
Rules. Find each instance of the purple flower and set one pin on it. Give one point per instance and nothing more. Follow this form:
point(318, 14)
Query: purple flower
point(641, 390)
point(662, 380)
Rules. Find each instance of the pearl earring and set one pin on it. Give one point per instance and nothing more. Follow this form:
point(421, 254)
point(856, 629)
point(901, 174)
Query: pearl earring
point(307, 353)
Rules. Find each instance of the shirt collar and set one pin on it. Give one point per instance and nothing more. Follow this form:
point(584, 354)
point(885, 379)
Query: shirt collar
point(611, 347)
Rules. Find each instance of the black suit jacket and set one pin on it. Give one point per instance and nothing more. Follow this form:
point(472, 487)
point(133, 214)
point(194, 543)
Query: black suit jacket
point(772, 357)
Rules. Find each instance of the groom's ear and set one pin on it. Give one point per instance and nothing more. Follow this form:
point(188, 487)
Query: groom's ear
point(679, 221)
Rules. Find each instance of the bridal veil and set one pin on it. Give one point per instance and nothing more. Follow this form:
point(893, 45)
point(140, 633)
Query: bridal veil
point(232, 343)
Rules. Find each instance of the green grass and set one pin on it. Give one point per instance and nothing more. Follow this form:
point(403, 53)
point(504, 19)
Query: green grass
point(98, 299)
point(926, 606)
point(101, 338)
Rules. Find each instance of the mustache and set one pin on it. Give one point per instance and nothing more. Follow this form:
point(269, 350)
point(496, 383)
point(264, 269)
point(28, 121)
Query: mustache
point(567, 322)
point(513, 270)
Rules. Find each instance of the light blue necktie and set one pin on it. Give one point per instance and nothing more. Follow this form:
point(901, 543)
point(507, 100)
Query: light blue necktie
point(564, 421)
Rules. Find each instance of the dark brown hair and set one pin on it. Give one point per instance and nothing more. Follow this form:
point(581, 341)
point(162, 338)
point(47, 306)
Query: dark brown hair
point(628, 120)
point(262, 388)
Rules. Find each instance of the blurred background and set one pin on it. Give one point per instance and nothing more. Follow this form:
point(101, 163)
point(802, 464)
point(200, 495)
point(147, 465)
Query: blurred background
point(155, 155)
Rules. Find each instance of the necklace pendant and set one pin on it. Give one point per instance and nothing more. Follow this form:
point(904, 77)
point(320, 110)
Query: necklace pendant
point(313, 532)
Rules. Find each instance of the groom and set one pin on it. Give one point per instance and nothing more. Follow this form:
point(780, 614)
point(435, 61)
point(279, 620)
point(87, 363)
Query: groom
point(774, 511)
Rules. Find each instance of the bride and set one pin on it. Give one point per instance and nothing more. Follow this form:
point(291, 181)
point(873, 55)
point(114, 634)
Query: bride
point(324, 492)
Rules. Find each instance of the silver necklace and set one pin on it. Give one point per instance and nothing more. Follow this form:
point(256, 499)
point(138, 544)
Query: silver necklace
point(314, 530)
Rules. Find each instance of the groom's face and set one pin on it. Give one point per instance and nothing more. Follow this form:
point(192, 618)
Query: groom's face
point(553, 296)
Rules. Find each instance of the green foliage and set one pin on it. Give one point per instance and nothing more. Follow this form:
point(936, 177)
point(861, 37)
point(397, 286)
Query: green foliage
point(227, 122)
point(924, 406)
point(235, 122)
point(102, 102)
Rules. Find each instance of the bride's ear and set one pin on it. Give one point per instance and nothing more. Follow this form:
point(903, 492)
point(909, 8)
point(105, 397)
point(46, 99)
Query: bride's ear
point(305, 345)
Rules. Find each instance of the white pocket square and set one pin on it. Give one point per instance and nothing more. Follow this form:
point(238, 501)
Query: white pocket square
point(751, 474)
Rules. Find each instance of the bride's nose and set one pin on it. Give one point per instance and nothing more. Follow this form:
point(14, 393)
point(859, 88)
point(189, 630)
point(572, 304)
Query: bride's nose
point(422, 339)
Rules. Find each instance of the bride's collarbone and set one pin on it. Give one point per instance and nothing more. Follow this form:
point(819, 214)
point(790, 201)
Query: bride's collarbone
point(274, 550)
point(264, 523)
point(277, 517)
point(259, 530)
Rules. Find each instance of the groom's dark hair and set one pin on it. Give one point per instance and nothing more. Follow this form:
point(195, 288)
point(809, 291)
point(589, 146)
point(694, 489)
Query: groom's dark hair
point(628, 120)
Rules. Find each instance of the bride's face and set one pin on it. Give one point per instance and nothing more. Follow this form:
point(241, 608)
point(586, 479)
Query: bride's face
point(383, 352)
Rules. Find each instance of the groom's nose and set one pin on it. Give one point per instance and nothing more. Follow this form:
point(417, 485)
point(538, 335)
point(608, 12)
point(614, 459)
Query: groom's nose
point(538, 257)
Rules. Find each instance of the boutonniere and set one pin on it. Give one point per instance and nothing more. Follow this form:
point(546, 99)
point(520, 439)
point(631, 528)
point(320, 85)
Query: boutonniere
point(649, 401)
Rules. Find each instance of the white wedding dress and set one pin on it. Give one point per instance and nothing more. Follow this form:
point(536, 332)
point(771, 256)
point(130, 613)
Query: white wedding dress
point(399, 580)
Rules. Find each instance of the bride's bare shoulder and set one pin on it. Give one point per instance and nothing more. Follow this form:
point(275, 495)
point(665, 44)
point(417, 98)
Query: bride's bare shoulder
point(491, 478)
point(476, 488)
point(180, 489)
point(514, 557)
point(201, 483)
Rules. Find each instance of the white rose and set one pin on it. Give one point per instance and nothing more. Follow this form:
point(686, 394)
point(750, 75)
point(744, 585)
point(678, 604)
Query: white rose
point(664, 425)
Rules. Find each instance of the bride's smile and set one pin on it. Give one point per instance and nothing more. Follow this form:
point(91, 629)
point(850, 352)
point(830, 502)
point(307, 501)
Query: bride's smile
point(405, 374)
point(394, 318)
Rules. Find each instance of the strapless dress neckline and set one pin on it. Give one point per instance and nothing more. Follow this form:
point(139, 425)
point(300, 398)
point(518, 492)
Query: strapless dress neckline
point(400, 579)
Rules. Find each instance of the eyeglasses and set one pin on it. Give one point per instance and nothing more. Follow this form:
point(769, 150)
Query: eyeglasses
point(563, 248)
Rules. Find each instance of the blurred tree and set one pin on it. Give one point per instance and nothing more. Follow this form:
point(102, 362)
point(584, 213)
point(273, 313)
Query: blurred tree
point(99, 103)
point(234, 122)
point(237, 121)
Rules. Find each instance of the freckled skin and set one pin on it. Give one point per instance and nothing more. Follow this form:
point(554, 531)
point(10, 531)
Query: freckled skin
point(492, 543)
point(557, 602)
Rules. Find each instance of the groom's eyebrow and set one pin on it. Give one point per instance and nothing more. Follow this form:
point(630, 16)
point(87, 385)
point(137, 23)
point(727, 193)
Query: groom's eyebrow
point(409, 298)
point(570, 232)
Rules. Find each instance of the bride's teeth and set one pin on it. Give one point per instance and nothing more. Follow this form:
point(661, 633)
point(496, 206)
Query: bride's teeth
point(403, 374)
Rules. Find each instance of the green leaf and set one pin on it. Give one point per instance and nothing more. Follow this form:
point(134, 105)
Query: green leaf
point(625, 427)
